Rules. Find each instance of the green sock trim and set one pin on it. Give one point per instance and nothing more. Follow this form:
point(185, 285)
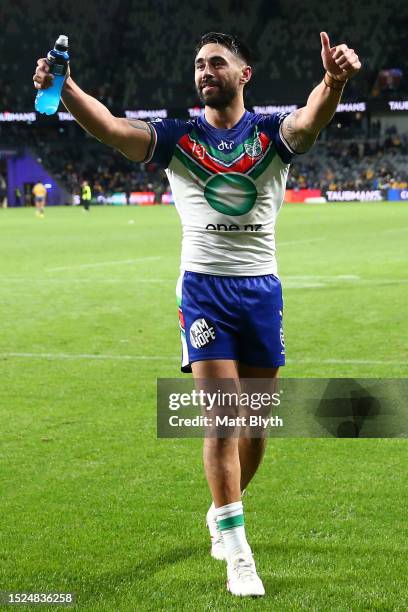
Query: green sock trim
point(230, 522)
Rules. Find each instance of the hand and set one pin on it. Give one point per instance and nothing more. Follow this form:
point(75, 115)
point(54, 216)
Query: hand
point(42, 77)
point(340, 62)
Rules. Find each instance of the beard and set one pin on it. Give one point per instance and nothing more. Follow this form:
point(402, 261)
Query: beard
point(218, 98)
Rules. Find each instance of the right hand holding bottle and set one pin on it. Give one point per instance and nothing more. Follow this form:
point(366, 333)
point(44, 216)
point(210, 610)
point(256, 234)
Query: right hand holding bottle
point(42, 77)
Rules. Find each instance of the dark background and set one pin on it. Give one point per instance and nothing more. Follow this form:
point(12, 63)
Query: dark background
point(139, 53)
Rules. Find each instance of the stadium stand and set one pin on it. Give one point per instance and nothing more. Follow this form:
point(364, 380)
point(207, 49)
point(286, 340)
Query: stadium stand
point(353, 164)
point(129, 59)
point(132, 59)
point(359, 161)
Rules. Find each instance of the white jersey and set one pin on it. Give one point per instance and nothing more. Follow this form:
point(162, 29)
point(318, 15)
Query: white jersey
point(228, 186)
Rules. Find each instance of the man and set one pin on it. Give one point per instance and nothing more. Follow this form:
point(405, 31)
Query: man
point(227, 171)
point(3, 192)
point(17, 195)
point(40, 193)
point(86, 195)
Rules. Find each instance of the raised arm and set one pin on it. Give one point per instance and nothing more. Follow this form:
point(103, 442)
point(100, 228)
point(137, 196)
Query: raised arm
point(301, 128)
point(132, 138)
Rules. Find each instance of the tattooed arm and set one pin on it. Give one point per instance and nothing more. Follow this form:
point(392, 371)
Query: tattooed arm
point(301, 128)
point(132, 138)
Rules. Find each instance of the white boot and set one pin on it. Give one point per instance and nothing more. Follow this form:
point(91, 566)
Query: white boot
point(243, 580)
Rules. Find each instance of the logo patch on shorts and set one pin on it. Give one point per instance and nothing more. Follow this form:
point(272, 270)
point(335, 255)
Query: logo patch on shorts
point(202, 332)
point(282, 340)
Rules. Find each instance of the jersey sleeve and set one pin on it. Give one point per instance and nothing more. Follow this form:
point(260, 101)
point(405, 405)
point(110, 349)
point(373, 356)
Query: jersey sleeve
point(166, 134)
point(272, 126)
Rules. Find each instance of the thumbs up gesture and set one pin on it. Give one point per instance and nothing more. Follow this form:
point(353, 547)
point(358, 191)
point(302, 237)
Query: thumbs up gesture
point(340, 62)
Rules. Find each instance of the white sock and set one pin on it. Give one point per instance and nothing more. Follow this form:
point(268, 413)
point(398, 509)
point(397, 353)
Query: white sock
point(211, 516)
point(230, 520)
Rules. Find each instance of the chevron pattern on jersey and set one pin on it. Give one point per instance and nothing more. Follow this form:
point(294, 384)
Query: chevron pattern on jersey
point(252, 156)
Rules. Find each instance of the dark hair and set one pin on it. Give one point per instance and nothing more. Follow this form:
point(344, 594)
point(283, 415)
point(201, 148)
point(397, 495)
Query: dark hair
point(233, 43)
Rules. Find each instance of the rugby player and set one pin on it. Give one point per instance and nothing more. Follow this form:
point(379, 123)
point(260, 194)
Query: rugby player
point(227, 170)
point(40, 194)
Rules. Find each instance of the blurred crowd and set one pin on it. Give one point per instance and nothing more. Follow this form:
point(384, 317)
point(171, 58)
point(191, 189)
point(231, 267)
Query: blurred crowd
point(357, 164)
point(131, 58)
point(108, 172)
point(352, 157)
point(71, 156)
point(335, 164)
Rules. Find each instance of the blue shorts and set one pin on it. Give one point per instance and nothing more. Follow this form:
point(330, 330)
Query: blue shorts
point(231, 317)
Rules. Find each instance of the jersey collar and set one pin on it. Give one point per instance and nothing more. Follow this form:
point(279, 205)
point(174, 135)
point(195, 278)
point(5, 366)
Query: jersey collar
point(221, 131)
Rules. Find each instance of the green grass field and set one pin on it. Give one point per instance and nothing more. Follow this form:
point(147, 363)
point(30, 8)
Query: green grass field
point(92, 502)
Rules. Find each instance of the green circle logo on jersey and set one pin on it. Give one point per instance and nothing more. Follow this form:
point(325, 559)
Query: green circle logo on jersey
point(231, 193)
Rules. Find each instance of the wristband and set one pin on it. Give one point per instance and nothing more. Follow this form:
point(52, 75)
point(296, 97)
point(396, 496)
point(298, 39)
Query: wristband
point(333, 83)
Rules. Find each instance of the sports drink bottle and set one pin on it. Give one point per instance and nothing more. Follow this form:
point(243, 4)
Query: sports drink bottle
point(47, 100)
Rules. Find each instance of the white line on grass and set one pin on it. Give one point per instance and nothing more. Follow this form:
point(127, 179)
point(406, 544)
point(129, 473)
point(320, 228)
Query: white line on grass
point(304, 284)
point(316, 282)
point(303, 241)
point(101, 264)
point(289, 283)
point(70, 281)
point(60, 356)
point(384, 281)
point(73, 356)
point(394, 230)
point(345, 362)
point(322, 278)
